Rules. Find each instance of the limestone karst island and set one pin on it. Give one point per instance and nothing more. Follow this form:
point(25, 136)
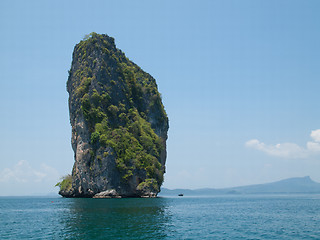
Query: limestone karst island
point(119, 125)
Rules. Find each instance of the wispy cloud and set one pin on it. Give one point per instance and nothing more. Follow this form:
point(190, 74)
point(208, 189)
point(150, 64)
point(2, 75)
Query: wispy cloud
point(289, 150)
point(315, 134)
point(22, 172)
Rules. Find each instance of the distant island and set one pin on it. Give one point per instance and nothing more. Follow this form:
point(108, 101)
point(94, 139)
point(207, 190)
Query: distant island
point(287, 186)
point(119, 124)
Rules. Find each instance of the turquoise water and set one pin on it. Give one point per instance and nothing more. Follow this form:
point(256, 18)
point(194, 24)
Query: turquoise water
point(220, 217)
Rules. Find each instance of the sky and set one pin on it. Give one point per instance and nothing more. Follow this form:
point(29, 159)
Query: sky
point(239, 81)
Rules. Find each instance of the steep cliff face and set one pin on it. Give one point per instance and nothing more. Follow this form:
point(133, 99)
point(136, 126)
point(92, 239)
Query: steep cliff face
point(119, 125)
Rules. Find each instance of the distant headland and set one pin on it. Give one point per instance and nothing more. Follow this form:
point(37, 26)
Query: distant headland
point(297, 185)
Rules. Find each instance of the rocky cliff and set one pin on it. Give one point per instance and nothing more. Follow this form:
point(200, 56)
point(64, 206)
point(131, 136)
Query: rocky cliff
point(119, 125)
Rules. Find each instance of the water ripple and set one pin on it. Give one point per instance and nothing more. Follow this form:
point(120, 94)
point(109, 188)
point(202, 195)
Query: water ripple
point(222, 217)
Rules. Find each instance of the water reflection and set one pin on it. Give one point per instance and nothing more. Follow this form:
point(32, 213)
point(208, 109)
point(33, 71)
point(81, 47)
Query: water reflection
point(116, 218)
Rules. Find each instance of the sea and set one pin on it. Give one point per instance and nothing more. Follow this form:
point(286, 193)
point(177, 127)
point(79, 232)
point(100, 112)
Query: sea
point(212, 217)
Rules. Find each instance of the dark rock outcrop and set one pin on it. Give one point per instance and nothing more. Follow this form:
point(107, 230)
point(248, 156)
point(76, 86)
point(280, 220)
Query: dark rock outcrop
point(119, 125)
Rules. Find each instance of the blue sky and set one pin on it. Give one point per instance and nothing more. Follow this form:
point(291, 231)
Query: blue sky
point(239, 80)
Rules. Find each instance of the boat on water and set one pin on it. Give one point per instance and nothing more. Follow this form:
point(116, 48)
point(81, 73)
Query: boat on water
point(180, 194)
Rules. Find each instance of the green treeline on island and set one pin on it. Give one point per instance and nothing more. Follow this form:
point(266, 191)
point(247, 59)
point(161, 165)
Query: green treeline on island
point(117, 111)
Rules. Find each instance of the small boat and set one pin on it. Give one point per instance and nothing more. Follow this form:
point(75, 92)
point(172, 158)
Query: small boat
point(180, 194)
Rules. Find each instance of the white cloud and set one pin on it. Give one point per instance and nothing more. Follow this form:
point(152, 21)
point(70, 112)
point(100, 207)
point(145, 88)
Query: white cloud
point(22, 172)
point(313, 146)
point(315, 135)
point(288, 150)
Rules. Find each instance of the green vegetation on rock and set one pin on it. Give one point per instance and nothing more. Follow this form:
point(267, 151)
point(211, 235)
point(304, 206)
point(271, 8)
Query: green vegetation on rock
point(122, 108)
point(65, 184)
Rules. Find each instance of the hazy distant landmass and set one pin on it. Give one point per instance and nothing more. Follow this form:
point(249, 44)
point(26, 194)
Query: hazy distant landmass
point(286, 186)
